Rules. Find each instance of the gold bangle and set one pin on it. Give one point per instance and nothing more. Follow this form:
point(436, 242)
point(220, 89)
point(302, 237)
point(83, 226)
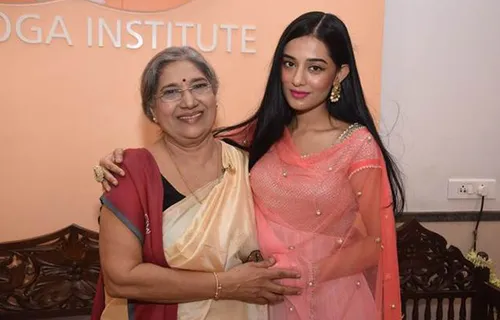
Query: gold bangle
point(218, 286)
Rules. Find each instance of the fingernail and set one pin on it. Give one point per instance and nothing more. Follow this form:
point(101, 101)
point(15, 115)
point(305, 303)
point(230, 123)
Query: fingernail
point(272, 260)
point(297, 275)
point(122, 173)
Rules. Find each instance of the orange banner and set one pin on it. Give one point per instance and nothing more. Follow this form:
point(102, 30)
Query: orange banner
point(70, 76)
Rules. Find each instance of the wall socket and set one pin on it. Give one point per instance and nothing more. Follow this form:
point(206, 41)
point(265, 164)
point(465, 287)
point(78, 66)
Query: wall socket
point(471, 188)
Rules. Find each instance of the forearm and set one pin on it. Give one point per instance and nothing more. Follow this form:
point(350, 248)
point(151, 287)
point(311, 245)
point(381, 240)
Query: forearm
point(152, 283)
point(350, 260)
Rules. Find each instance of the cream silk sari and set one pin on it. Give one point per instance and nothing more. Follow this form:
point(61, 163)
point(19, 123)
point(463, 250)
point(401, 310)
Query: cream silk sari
point(213, 231)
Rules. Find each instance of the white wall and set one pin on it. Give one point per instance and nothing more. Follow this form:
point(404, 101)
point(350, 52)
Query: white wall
point(441, 71)
point(441, 68)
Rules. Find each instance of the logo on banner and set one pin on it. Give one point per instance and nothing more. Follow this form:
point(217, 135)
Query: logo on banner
point(125, 5)
point(129, 32)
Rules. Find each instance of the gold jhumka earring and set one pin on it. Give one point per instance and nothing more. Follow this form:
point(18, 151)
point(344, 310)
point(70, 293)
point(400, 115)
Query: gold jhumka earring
point(335, 94)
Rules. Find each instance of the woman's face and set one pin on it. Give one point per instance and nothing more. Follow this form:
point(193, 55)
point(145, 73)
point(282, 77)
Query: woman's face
point(308, 73)
point(185, 104)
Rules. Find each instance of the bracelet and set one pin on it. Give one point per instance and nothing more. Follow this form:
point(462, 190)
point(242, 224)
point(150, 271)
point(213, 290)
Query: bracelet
point(218, 286)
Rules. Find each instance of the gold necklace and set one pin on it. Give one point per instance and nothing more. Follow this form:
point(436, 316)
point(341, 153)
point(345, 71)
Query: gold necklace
point(179, 171)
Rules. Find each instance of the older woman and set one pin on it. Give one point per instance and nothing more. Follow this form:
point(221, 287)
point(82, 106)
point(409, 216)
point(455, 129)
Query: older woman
point(175, 231)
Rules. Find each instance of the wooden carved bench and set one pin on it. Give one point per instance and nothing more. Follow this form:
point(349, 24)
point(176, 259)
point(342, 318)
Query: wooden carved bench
point(55, 276)
point(437, 281)
point(50, 276)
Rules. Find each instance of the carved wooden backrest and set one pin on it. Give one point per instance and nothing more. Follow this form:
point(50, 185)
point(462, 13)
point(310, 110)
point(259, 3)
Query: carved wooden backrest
point(56, 275)
point(491, 296)
point(48, 276)
point(436, 279)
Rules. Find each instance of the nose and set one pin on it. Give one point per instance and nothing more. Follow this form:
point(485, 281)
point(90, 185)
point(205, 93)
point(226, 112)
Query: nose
point(189, 102)
point(298, 77)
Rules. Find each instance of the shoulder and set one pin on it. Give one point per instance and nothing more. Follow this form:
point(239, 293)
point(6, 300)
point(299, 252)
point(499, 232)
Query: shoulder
point(234, 150)
point(135, 154)
point(363, 143)
point(140, 171)
point(236, 156)
point(358, 134)
point(236, 144)
point(137, 159)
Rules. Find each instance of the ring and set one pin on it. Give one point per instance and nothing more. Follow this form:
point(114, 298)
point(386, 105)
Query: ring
point(99, 173)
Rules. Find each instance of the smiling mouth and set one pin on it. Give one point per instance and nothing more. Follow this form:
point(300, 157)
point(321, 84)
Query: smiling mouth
point(299, 94)
point(190, 118)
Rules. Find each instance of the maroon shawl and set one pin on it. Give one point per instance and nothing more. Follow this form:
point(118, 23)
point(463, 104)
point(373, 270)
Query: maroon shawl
point(138, 202)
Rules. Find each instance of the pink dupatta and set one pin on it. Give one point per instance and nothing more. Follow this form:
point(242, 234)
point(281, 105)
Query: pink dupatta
point(329, 216)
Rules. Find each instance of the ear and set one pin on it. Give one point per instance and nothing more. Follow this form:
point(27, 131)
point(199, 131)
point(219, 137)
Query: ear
point(342, 73)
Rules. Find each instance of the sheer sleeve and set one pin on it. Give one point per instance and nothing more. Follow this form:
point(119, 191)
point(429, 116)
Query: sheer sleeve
point(369, 179)
point(370, 248)
point(361, 249)
point(369, 183)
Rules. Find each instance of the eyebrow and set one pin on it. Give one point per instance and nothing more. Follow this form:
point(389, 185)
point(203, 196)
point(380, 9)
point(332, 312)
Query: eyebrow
point(309, 59)
point(174, 84)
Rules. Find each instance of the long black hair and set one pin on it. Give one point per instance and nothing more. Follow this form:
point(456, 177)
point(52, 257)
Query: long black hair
point(274, 113)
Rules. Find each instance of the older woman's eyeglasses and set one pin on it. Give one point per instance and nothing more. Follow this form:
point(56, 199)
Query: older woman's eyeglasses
point(198, 89)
